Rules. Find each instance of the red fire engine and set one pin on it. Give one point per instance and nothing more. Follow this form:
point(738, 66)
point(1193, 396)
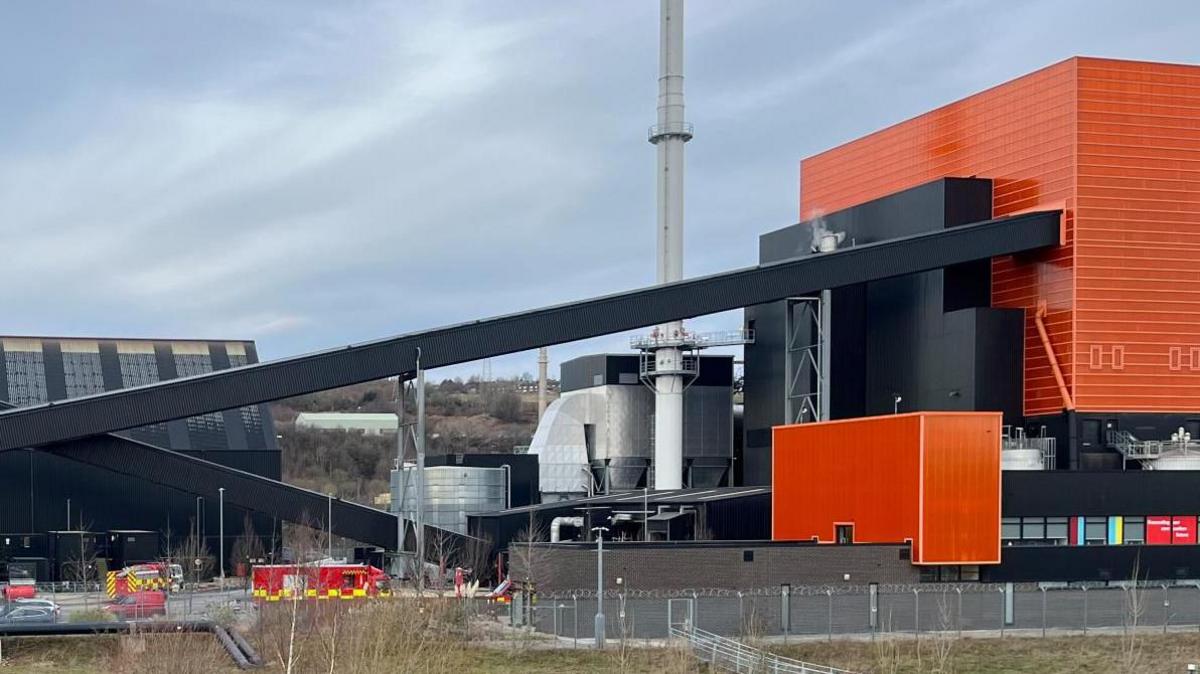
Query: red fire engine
point(273, 582)
point(152, 576)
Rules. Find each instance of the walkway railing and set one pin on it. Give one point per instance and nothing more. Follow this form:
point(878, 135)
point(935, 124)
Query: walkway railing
point(730, 655)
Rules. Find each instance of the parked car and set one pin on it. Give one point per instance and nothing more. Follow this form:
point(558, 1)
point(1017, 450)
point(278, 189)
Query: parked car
point(138, 605)
point(28, 613)
point(44, 603)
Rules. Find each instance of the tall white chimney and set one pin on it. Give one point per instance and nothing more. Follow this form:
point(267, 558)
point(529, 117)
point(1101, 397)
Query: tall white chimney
point(669, 136)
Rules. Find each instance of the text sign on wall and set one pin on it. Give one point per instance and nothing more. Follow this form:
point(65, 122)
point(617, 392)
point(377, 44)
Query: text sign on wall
point(1158, 530)
point(1183, 530)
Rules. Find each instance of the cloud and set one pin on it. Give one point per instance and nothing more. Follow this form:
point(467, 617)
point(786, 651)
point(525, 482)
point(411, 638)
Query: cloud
point(310, 175)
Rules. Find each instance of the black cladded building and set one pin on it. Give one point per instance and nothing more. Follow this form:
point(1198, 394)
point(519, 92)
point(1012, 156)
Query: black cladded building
point(930, 339)
point(38, 489)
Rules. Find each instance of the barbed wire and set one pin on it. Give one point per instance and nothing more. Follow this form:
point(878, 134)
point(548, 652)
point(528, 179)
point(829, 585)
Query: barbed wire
point(884, 590)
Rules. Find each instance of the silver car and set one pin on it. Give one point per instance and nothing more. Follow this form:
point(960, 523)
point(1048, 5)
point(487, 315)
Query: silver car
point(28, 612)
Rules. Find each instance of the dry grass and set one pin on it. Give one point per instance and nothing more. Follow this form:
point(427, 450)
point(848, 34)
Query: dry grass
point(1170, 653)
point(428, 635)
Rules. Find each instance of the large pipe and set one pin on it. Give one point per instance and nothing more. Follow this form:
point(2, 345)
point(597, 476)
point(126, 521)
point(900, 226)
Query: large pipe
point(556, 526)
point(1038, 317)
point(669, 136)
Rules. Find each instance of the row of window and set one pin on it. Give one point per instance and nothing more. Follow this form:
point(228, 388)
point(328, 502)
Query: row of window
point(1112, 530)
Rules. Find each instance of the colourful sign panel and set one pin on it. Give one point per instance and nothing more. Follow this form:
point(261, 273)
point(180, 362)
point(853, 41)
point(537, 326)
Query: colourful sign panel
point(1158, 529)
point(1183, 530)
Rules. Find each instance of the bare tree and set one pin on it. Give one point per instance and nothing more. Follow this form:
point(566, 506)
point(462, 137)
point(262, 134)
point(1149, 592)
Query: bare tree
point(246, 547)
point(444, 550)
point(81, 565)
point(944, 638)
point(1134, 609)
point(476, 557)
point(528, 558)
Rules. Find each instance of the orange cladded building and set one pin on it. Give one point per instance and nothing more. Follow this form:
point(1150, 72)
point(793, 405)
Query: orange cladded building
point(928, 478)
point(1116, 144)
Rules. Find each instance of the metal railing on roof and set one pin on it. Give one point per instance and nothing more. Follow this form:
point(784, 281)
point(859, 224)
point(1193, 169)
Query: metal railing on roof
point(1132, 448)
point(730, 655)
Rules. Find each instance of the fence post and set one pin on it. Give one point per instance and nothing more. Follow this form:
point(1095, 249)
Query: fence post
point(958, 589)
point(575, 640)
point(917, 613)
point(741, 615)
point(1166, 608)
point(1043, 588)
point(1085, 608)
point(829, 593)
point(1003, 610)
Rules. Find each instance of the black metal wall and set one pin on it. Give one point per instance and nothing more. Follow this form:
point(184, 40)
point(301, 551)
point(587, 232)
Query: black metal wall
point(1099, 493)
point(35, 486)
point(1075, 563)
point(930, 338)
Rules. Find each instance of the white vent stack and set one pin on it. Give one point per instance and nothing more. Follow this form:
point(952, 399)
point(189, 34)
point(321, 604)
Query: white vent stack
point(669, 135)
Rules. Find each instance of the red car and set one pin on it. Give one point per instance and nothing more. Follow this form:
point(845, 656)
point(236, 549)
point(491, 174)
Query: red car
point(138, 605)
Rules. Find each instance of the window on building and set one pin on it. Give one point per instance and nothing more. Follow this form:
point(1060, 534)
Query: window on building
point(1033, 528)
point(1010, 528)
point(1095, 530)
point(1057, 530)
point(1135, 530)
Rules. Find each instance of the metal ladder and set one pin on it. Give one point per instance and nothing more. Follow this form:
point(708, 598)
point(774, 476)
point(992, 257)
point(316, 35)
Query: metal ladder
point(730, 655)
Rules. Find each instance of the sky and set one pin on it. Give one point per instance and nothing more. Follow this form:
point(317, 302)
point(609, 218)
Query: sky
point(315, 174)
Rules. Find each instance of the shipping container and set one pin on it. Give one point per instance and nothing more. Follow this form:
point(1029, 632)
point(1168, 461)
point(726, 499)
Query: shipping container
point(928, 478)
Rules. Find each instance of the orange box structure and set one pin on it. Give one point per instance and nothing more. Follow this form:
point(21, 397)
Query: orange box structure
point(932, 478)
point(1117, 145)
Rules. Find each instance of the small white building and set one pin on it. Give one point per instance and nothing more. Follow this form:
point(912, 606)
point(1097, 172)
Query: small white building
point(370, 423)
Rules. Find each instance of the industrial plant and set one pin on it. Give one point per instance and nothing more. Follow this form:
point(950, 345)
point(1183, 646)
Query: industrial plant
point(974, 357)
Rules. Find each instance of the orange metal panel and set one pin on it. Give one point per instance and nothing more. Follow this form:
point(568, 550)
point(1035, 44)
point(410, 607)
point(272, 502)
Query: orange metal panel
point(1138, 289)
point(862, 471)
point(960, 489)
point(929, 477)
point(1021, 135)
point(1117, 143)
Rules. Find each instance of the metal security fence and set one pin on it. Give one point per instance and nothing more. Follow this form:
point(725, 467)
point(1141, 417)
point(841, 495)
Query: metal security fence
point(844, 610)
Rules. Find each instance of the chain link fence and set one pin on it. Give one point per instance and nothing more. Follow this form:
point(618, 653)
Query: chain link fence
point(844, 610)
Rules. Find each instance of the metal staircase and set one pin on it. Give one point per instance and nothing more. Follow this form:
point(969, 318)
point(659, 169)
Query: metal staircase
point(730, 655)
point(1132, 448)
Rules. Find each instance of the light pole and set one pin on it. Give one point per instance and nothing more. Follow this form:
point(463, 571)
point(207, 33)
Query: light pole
point(221, 534)
point(599, 531)
point(329, 525)
point(199, 528)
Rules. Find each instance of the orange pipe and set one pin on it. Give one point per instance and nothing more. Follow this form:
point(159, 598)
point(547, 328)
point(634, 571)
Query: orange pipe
point(1068, 403)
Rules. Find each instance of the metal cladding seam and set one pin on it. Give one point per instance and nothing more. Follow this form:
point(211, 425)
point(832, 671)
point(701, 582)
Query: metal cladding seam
point(273, 380)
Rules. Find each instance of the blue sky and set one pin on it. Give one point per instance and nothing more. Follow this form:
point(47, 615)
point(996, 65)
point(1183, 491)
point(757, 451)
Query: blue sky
point(314, 174)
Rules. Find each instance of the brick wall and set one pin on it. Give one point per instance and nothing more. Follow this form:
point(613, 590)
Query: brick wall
point(664, 566)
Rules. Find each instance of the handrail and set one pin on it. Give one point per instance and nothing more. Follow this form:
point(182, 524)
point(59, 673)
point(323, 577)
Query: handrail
point(732, 655)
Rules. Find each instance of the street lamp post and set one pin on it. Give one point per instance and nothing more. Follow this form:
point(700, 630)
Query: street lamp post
point(329, 525)
point(599, 628)
point(221, 534)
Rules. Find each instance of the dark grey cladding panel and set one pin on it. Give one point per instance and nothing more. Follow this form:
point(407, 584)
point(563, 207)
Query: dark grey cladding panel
point(225, 389)
point(1096, 494)
point(242, 489)
point(52, 359)
point(110, 365)
point(624, 369)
